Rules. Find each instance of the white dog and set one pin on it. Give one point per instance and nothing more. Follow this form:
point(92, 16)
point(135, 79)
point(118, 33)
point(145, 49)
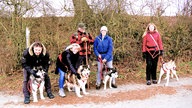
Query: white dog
point(37, 83)
point(170, 69)
point(84, 72)
point(109, 74)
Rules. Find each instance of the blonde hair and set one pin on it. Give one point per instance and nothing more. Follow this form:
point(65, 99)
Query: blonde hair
point(73, 45)
point(147, 29)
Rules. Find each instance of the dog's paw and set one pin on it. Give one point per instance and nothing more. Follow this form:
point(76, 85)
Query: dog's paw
point(42, 98)
point(35, 100)
point(79, 96)
point(86, 93)
point(166, 84)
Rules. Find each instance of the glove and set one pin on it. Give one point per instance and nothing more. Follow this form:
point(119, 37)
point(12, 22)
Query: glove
point(144, 55)
point(161, 52)
point(33, 72)
point(78, 76)
point(84, 39)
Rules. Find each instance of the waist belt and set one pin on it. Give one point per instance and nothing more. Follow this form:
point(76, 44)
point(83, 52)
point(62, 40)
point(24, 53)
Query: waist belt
point(151, 47)
point(102, 52)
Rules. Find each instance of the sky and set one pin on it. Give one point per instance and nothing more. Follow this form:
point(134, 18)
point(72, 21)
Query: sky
point(170, 5)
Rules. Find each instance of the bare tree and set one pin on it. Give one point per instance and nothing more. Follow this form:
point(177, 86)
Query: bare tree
point(82, 9)
point(187, 9)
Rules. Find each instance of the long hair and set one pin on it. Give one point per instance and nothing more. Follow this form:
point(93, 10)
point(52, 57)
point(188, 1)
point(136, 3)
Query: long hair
point(147, 29)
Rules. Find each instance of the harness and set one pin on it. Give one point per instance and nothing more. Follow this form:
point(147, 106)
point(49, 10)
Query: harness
point(29, 84)
point(154, 47)
point(165, 69)
point(60, 59)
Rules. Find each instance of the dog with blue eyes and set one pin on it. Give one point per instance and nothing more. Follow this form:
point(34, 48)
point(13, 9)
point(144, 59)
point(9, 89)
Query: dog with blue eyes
point(109, 74)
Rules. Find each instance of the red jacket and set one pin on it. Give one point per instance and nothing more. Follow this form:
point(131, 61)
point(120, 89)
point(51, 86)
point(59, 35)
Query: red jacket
point(77, 39)
point(149, 44)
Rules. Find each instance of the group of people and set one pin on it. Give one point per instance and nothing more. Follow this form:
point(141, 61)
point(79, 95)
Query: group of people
point(78, 53)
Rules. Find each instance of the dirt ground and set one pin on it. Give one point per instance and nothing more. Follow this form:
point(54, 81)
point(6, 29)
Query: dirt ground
point(126, 95)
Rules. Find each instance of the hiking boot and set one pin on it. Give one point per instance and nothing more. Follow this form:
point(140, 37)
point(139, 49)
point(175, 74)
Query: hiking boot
point(98, 87)
point(26, 100)
point(61, 92)
point(154, 81)
point(113, 85)
point(148, 82)
point(50, 95)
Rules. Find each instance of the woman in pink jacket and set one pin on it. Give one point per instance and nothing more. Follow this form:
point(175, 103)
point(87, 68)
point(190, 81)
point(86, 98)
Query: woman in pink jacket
point(152, 48)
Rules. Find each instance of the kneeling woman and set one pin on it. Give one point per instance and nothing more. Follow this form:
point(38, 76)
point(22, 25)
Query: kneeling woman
point(67, 61)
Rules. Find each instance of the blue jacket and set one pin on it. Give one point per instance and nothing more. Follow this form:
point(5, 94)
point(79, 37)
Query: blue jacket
point(103, 47)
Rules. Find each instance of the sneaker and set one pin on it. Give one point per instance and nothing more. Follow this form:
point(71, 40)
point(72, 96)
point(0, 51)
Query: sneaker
point(61, 92)
point(50, 95)
point(26, 100)
point(114, 86)
point(98, 87)
point(148, 82)
point(154, 81)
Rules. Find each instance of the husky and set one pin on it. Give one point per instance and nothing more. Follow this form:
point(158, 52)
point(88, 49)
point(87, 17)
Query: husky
point(37, 83)
point(74, 84)
point(168, 68)
point(109, 75)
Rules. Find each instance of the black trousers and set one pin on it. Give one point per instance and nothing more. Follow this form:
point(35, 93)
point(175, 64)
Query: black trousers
point(26, 91)
point(151, 67)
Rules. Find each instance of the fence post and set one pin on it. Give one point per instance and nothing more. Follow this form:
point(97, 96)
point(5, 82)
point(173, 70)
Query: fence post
point(27, 37)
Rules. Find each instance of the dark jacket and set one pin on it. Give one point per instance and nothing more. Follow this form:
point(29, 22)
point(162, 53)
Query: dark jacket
point(30, 60)
point(103, 47)
point(68, 62)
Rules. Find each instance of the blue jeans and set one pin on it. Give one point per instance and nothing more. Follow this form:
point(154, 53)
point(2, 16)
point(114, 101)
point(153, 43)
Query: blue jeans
point(61, 78)
point(109, 65)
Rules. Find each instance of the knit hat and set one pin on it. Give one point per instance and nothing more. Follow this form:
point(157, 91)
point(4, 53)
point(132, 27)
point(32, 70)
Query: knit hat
point(103, 28)
point(82, 25)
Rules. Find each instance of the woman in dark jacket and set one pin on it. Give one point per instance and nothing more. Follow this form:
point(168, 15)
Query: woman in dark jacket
point(152, 48)
point(33, 57)
point(67, 61)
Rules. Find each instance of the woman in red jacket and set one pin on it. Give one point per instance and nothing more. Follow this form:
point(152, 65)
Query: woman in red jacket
point(152, 48)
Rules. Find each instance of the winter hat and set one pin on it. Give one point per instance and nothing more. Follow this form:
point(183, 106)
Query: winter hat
point(103, 28)
point(82, 25)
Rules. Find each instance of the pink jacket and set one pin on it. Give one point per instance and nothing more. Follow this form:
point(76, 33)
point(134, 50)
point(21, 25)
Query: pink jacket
point(149, 44)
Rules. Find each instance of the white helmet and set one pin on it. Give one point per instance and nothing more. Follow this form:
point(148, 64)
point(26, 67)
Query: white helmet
point(103, 28)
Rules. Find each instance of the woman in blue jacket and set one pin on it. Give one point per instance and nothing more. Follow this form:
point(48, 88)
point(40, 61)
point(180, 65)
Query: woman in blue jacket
point(103, 49)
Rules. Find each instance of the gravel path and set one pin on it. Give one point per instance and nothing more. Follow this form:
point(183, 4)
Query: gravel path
point(181, 99)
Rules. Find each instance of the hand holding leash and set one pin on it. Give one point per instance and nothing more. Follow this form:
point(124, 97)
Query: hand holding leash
point(104, 60)
point(161, 53)
point(84, 39)
point(144, 55)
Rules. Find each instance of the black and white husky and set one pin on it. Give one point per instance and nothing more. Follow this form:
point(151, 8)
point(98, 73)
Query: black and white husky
point(37, 83)
point(109, 74)
point(77, 84)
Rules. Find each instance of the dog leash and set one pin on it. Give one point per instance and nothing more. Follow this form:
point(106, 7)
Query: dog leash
point(29, 86)
point(101, 67)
